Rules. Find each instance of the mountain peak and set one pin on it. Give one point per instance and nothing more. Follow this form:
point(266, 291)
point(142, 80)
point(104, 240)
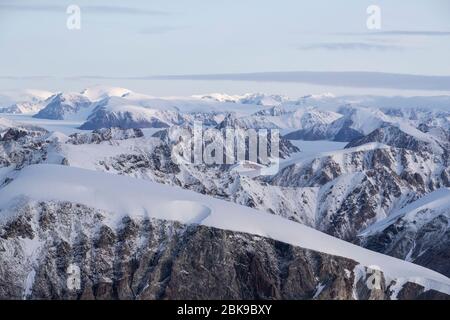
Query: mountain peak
point(99, 92)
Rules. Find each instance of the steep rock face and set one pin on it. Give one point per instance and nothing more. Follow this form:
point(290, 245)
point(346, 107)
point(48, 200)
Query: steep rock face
point(176, 135)
point(359, 187)
point(292, 118)
point(13, 134)
point(249, 98)
point(427, 245)
point(129, 114)
point(311, 134)
point(105, 134)
point(62, 105)
point(20, 147)
point(129, 153)
point(391, 136)
point(395, 137)
point(23, 107)
point(420, 232)
point(6, 124)
point(355, 123)
point(423, 116)
point(61, 250)
point(231, 120)
point(342, 130)
point(217, 181)
point(341, 194)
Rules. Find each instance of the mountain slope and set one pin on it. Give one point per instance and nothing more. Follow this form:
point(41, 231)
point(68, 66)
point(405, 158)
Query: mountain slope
point(135, 200)
point(396, 157)
point(361, 185)
point(63, 106)
point(23, 102)
point(402, 136)
point(419, 232)
point(354, 123)
point(123, 113)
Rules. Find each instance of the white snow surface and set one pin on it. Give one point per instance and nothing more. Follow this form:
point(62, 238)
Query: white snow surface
point(64, 126)
point(122, 196)
point(6, 123)
point(436, 202)
point(99, 92)
point(317, 147)
point(329, 149)
point(8, 98)
point(248, 98)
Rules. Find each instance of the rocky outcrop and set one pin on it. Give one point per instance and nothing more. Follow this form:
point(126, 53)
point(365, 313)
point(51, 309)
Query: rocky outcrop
point(419, 233)
point(62, 105)
point(428, 245)
point(23, 146)
point(360, 186)
point(340, 194)
point(395, 137)
point(64, 250)
point(105, 134)
point(128, 118)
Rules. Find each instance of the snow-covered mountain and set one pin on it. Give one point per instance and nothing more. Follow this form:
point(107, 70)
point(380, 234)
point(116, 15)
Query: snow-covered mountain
point(23, 102)
point(283, 118)
point(5, 124)
point(384, 188)
point(314, 117)
point(354, 122)
point(23, 107)
point(97, 93)
point(103, 107)
point(115, 112)
point(62, 106)
point(419, 232)
point(107, 223)
point(404, 136)
point(358, 186)
point(249, 98)
point(73, 105)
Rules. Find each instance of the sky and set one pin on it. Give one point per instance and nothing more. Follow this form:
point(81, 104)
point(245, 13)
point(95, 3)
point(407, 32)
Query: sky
point(133, 43)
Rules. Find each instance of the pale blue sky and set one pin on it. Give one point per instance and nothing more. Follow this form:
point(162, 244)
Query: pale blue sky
point(141, 38)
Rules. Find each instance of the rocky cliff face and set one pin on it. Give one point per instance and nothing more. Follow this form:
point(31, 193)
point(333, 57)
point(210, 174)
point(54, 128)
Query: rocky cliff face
point(395, 137)
point(341, 194)
point(360, 186)
point(62, 105)
point(420, 232)
point(20, 147)
point(104, 118)
point(61, 250)
point(427, 245)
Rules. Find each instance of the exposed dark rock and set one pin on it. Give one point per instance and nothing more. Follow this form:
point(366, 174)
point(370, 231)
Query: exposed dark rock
point(105, 134)
point(154, 259)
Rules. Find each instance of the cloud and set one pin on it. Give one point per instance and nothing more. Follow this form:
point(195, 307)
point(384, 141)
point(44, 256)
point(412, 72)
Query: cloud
point(106, 9)
point(349, 46)
point(353, 79)
point(341, 79)
point(25, 77)
point(160, 30)
point(412, 33)
point(124, 10)
point(428, 33)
